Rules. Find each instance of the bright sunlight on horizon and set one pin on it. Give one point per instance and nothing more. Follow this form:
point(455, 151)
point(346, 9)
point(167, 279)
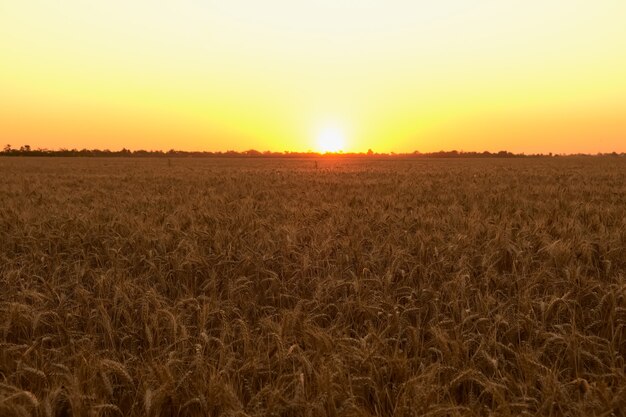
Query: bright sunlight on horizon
point(524, 76)
point(331, 139)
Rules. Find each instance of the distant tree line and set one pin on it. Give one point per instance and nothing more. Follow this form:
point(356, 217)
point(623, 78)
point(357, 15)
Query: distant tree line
point(26, 150)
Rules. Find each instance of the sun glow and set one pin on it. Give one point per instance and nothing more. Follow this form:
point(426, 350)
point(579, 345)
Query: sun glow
point(523, 76)
point(331, 139)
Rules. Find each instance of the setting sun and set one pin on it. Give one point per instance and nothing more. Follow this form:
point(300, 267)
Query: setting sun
point(331, 139)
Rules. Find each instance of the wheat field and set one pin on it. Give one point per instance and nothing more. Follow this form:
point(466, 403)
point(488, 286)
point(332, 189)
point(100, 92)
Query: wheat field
point(338, 287)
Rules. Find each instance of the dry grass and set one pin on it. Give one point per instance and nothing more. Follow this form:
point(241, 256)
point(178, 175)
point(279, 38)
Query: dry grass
point(271, 288)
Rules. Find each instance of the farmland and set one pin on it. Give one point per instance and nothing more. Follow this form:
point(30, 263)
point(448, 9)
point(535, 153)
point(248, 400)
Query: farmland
point(338, 287)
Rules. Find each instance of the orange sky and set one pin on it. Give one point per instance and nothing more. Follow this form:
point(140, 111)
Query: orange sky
point(525, 76)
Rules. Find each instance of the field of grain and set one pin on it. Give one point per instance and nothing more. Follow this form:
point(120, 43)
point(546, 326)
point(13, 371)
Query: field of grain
point(251, 287)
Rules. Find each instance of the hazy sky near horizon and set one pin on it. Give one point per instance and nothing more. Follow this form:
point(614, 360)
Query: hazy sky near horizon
point(526, 76)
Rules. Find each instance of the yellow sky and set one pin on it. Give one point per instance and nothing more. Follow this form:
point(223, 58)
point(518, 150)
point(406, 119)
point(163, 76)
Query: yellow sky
point(525, 76)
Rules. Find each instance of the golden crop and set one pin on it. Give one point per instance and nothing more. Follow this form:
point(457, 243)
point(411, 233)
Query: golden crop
point(251, 287)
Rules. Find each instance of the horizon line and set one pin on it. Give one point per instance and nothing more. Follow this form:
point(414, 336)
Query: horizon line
point(27, 150)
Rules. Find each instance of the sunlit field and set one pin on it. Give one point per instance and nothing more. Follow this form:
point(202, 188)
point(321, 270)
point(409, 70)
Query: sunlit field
point(336, 287)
